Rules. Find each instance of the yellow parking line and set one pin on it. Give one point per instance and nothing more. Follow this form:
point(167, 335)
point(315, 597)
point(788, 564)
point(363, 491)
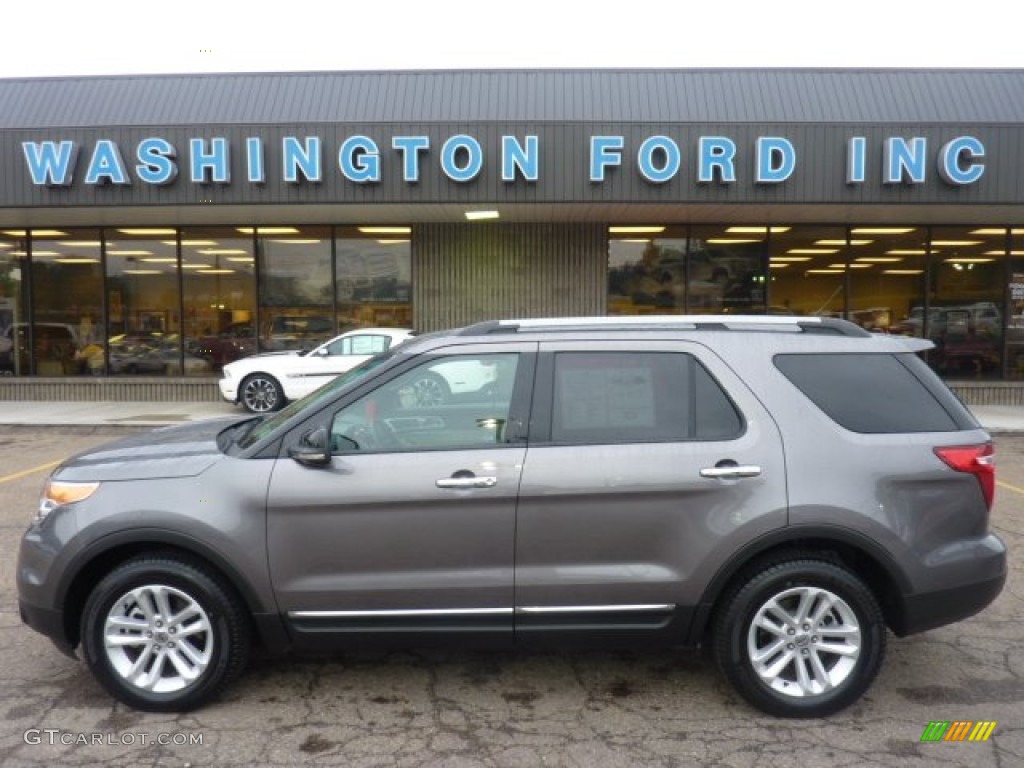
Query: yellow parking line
point(1001, 484)
point(41, 467)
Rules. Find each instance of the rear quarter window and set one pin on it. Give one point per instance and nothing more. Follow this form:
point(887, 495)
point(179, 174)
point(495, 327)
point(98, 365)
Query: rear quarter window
point(876, 393)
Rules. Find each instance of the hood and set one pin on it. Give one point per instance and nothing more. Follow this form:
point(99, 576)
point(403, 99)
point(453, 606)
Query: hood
point(179, 451)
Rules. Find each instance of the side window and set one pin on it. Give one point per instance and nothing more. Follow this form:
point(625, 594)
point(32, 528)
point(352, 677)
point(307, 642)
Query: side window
point(364, 344)
point(872, 393)
point(615, 397)
point(448, 402)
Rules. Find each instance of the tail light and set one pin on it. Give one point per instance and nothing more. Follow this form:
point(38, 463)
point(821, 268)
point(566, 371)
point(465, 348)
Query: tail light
point(978, 460)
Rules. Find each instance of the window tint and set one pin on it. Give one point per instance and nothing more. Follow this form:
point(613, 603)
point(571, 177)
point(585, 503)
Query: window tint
point(870, 393)
point(447, 403)
point(614, 397)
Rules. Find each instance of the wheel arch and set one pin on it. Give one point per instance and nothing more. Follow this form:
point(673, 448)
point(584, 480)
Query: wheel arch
point(840, 546)
point(93, 563)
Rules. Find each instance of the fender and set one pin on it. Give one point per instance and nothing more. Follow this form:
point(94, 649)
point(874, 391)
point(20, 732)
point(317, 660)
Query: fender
point(779, 538)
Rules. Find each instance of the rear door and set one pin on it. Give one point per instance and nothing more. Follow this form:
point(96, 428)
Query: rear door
point(645, 470)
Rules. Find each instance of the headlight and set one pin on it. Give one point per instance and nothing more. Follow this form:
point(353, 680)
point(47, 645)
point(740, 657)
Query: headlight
point(57, 493)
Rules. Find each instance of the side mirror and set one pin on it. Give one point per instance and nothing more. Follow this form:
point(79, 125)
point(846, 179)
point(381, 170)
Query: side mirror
point(312, 449)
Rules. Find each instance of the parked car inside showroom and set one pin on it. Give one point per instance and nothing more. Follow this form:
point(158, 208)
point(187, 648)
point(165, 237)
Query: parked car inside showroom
point(266, 382)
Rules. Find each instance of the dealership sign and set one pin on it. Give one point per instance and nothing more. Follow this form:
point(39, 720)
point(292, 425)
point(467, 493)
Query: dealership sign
point(362, 160)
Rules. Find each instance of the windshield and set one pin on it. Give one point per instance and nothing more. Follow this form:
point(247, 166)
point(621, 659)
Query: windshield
point(260, 429)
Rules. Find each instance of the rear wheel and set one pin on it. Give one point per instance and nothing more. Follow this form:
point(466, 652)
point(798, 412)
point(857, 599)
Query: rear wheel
point(260, 393)
point(163, 634)
point(802, 638)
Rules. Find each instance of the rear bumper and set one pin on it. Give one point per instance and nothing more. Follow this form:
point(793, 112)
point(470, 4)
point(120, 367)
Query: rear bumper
point(928, 610)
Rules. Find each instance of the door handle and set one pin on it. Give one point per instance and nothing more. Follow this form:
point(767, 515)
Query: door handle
point(466, 482)
point(748, 470)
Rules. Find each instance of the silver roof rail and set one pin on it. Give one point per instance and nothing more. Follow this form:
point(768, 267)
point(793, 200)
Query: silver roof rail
point(790, 323)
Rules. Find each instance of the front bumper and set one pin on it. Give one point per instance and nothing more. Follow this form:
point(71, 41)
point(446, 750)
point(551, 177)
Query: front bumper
point(47, 622)
point(228, 389)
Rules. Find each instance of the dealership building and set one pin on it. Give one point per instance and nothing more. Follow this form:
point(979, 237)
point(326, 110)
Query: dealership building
point(153, 228)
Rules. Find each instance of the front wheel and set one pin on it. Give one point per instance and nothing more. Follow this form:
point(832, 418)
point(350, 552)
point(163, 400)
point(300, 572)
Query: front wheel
point(261, 393)
point(163, 634)
point(802, 638)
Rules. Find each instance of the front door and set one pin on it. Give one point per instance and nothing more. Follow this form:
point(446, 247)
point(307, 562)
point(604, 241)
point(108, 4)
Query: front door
point(411, 526)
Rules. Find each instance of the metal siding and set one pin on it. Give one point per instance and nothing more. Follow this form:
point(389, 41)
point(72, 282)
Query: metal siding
point(466, 273)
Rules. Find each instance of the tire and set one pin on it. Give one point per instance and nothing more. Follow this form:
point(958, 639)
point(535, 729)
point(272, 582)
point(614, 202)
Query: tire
point(429, 390)
point(140, 658)
point(797, 674)
point(260, 393)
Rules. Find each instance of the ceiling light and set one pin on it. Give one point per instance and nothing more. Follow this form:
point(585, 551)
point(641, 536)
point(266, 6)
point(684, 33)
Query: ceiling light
point(6, 245)
point(295, 241)
point(881, 230)
point(481, 215)
point(241, 259)
point(880, 259)
point(775, 265)
point(907, 252)
point(216, 272)
point(223, 251)
point(813, 250)
point(786, 259)
point(36, 254)
point(824, 272)
point(843, 242)
point(129, 253)
point(957, 242)
point(196, 266)
point(190, 242)
point(81, 243)
point(392, 242)
point(638, 230)
point(74, 260)
point(148, 231)
point(142, 272)
point(160, 260)
point(1004, 253)
point(757, 230)
point(902, 271)
point(633, 240)
point(969, 261)
point(386, 230)
point(267, 230)
point(727, 240)
point(36, 233)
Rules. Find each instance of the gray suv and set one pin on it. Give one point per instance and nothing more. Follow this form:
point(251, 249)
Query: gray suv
point(782, 490)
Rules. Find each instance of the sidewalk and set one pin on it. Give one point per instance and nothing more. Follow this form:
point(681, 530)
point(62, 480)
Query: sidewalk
point(995, 418)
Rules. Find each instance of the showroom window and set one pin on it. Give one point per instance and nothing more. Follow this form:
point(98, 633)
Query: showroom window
point(296, 303)
point(67, 300)
point(15, 359)
point(218, 276)
point(373, 274)
point(807, 270)
point(888, 295)
point(143, 305)
point(646, 270)
point(1015, 319)
point(727, 269)
point(965, 301)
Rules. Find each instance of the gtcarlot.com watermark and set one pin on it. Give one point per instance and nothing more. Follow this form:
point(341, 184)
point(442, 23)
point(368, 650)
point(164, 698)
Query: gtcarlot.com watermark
point(56, 737)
